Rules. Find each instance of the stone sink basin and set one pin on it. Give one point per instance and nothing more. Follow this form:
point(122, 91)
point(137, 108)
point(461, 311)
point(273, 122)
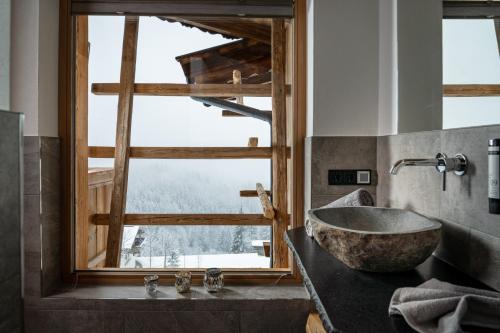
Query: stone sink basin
point(375, 239)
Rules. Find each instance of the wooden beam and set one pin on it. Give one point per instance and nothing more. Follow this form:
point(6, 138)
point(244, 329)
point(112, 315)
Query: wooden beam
point(267, 207)
point(186, 219)
point(123, 127)
point(225, 8)
point(471, 90)
point(179, 89)
point(279, 156)
point(252, 193)
point(187, 152)
point(253, 141)
point(81, 141)
point(237, 80)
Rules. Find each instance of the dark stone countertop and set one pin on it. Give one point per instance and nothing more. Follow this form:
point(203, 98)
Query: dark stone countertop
point(354, 301)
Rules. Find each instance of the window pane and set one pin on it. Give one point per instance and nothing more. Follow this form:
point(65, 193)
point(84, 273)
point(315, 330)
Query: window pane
point(470, 56)
point(470, 111)
point(195, 186)
point(195, 247)
point(183, 122)
point(470, 52)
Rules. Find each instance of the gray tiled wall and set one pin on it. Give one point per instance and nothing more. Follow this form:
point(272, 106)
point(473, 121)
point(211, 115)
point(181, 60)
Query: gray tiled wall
point(10, 221)
point(325, 153)
point(94, 310)
point(41, 232)
point(471, 237)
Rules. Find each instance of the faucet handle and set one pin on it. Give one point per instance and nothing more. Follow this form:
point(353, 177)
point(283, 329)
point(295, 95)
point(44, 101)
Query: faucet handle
point(457, 164)
point(442, 164)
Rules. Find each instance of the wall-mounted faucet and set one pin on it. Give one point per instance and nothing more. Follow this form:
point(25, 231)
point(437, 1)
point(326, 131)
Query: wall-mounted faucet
point(441, 162)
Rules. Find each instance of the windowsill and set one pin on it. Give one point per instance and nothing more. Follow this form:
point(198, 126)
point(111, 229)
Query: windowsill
point(168, 293)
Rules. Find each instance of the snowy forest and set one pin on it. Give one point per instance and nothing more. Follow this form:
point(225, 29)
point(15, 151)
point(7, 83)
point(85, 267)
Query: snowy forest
point(181, 186)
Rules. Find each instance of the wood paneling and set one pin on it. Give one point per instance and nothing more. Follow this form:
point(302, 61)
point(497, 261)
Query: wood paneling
point(279, 155)
point(471, 90)
point(123, 128)
point(186, 219)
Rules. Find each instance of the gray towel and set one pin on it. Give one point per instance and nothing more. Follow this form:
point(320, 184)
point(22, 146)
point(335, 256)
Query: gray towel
point(440, 307)
point(360, 197)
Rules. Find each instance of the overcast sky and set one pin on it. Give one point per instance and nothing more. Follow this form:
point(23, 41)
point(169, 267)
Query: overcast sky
point(470, 55)
point(161, 121)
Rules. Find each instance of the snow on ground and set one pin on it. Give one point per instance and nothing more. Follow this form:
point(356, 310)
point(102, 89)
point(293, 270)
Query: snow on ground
point(230, 260)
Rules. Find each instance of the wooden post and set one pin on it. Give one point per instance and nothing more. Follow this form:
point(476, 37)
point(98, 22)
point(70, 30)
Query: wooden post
point(81, 141)
point(123, 126)
point(237, 80)
point(253, 141)
point(279, 154)
point(267, 207)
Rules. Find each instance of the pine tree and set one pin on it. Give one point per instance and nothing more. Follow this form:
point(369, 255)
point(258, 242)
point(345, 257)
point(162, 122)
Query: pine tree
point(173, 259)
point(237, 246)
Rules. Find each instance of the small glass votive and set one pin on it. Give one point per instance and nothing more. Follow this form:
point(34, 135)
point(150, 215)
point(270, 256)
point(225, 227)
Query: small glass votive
point(183, 282)
point(213, 280)
point(151, 284)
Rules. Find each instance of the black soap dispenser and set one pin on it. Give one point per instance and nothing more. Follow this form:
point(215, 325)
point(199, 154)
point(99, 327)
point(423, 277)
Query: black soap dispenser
point(494, 175)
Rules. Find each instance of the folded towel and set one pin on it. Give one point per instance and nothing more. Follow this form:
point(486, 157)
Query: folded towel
point(440, 307)
point(360, 197)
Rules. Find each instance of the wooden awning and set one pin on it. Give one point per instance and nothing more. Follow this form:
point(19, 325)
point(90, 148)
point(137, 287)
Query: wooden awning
point(216, 64)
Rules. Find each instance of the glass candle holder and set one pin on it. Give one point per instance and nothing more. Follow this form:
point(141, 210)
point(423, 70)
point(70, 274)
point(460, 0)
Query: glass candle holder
point(213, 280)
point(183, 282)
point(151, 284)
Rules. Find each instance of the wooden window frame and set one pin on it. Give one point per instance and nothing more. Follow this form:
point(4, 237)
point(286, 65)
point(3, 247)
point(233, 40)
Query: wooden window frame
point(69, 140)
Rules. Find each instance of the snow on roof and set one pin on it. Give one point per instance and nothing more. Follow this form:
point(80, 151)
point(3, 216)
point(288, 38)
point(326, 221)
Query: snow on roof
point(129, 233)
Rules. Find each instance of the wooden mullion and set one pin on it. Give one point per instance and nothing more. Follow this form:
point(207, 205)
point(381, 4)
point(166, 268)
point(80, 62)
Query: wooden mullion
point(279, 149)
point(185, 219)
point(81, 141)
point(179, 89)
point(187, 152)
point(123, 127)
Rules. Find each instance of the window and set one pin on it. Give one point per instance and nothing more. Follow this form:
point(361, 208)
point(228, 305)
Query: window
point(471, 73)
point(174, 185)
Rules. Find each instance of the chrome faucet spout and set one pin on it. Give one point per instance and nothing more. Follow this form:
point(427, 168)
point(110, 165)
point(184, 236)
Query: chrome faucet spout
point(441, 162)
point(414, 162)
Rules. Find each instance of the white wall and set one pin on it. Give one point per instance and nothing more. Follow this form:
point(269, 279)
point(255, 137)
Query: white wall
point(388, 68)
point(34, 84)
point(374, 67)
point(420, 68)
point(344, 67)
point(4, 54)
